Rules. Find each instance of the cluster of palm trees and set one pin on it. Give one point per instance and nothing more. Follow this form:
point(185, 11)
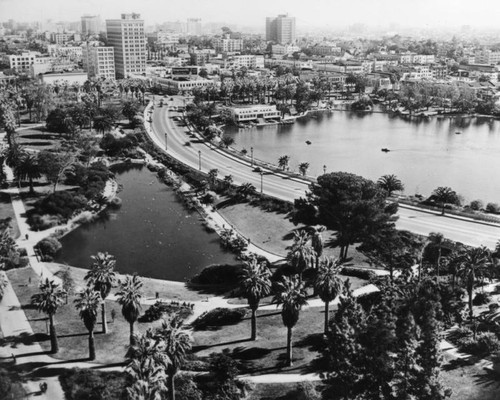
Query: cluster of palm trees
point(284, 161)
point(289, 291)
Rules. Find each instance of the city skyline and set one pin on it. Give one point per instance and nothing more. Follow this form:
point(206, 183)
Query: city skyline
point(314, 14)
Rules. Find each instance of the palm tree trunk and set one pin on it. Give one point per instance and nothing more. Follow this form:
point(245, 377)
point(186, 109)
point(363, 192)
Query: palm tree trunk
point(327, 304)
point(471, 311)
point(132, 338)
point(54, 345)
point(171, 386)
point(254, 325)
point(91, 345)
point(32, 190)
point(289, 347)
point(103, 315)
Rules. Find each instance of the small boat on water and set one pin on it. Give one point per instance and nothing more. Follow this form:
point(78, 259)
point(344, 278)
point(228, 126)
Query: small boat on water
point(458, 133)
point(385, 150)
point(308, 142)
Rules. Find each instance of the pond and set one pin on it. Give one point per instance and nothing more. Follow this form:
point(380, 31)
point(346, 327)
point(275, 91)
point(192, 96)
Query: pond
point(460, 152)
point(152, 234)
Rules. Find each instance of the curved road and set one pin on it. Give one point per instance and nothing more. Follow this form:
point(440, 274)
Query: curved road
point(283, 187)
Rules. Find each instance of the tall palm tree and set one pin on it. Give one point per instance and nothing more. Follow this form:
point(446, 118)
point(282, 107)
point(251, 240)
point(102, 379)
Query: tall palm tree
point(303, 167)
point(283, 162)
point(177, 343)
point(327, 284)
point(391, 184)
point(103, 123)
point(129, 297)
point(301, 253)
point(291, 296)
point(474, 262)
point(255, 284)
point(87, 304)
point(317, 243)
point(245, 190)
point(28, 168)
point(445, 195)
point(48, 301)
point(101, 277)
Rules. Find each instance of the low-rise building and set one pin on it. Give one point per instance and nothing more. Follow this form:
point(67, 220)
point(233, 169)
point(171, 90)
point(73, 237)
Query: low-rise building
point(281, 50)
point(487, 57)
point(68, 78)
point(254, 112)
point(226, 44)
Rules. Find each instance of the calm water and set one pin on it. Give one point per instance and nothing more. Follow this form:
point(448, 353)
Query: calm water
point(425, 153)
point(152, 233)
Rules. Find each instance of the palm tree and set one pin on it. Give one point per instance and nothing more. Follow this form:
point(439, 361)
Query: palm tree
point(48, 301)
point(87, 305)
point(301, 253)
point(437, 239)
point(390, 183)
point(212, 177)
point(129, 297)
point(445, 195)
point(283, 162)
point(245, 190)
point(103, 123)
point(327, 284)
point(28, 168)
point(303, 167)
point(474, 262)
point(317, 243)
point(255, 284)
point(101, 277)
point(228, 181)
point(292, 296)
point(177, 343)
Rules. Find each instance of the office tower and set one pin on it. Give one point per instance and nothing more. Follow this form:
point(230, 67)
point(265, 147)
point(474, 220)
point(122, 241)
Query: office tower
point(194, 26)
point(99, 61)
point(90, 25)
point(126, 36)
point(280, 29)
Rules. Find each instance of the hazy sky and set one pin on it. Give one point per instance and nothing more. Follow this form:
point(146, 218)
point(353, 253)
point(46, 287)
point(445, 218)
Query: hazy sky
point(332, 13)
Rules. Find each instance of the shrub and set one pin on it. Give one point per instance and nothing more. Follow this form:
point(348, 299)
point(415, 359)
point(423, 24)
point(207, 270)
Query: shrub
point(221, 274)
point(358, 273)
point(485, 344)
point(208, 198)
point(60, 203)
point(476, 205)
point(160, 308)
point(42, 222)
point(186, 388)
point(218, 317)
point(481, 298)
point(493, 208)
point(84, 384)
point(48, 247)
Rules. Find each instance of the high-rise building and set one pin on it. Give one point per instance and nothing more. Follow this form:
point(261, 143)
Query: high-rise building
point(194, 26)
point(90, 25)
point(127, 37)
point(99, 61)
point(281, 29)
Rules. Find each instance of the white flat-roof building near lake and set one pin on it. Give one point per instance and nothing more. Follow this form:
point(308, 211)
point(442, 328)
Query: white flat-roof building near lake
point(254, 112)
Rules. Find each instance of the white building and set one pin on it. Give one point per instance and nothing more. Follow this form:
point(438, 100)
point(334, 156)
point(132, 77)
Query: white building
point(487, 57)
point(194, 26)
point(99, 61)
point(226, 44)
point(68, 78)
point(412, 58)
point(248, 61)
point(280, 49)
point(126, 36)
point(253, 112)
point(90, 25)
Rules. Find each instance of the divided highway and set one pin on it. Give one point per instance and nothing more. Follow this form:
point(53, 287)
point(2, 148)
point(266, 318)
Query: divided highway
point(168, 133)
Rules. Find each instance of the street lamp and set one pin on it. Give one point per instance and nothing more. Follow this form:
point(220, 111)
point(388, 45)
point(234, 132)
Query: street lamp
point(324, 169)
point(261, 182)
point(251, 152)
point(166, 141)
point(199, 160)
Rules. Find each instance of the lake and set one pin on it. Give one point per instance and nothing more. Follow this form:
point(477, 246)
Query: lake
point(425, 153)
point(152, 233)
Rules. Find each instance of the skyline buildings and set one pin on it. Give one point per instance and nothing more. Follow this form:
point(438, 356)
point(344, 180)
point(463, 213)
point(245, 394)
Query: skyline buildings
point(281, 29)
point(127, 37)
point(90, 25)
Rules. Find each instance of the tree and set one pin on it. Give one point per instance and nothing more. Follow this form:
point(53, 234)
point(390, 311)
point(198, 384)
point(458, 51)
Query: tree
point(352, 205)
point(255, 284)
point(228, 181)
point(212, 177)
point(445, 195)
point(130, 108)
point(303, 167)
point(48, 301)
point(317, 243)
point(437, 240)
point(68, 283)
point(7, 119)
point(87, 305)
point(283, 162)
point(177, 344)
point(301, 253)
point(54, 165)
point(101, 277)
point(327, 284)
point(28, 168)
point(227, 141)
point(103, 123)
point(291, 296)
point(129, 297)
point(474, 263)
point(245, 190)
point(390, 183)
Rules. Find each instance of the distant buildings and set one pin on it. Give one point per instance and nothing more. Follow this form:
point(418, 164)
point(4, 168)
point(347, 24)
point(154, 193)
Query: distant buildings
point(280, 29)
point(126, 36)
point(228, 45)
point(194, 26)
point(99, 61)
point(90, 25)
point(487, 57)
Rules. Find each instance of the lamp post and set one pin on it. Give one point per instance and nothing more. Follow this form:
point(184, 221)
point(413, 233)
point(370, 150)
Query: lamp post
point(166, 141)
point(324, 169)
point(261, 182)
point(199, 160)
point(251, 152)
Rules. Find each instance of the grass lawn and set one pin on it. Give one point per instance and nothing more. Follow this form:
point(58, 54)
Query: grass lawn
point(274, 232)
point(37, 138)
point(6, 211)
point(268, 353)
point(72, 333)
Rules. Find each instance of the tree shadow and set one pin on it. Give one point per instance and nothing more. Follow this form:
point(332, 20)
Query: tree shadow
point(25, 338)
point(489, 378)
point(249, 353)
point(204, 347)
point(458, 363)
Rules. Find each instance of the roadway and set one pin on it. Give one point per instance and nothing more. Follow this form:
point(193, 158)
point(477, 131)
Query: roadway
point(283, 187)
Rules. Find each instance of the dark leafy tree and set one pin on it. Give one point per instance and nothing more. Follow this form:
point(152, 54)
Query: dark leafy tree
point(445, 195)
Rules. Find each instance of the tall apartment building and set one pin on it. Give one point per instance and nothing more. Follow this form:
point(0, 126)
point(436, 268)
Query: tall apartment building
point(280, 29)
point(194, 26)
point(126, 36)
point(99, 61)
point(90, 25)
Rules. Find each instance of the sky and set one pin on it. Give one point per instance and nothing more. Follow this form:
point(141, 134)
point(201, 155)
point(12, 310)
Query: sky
point(310, 13)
